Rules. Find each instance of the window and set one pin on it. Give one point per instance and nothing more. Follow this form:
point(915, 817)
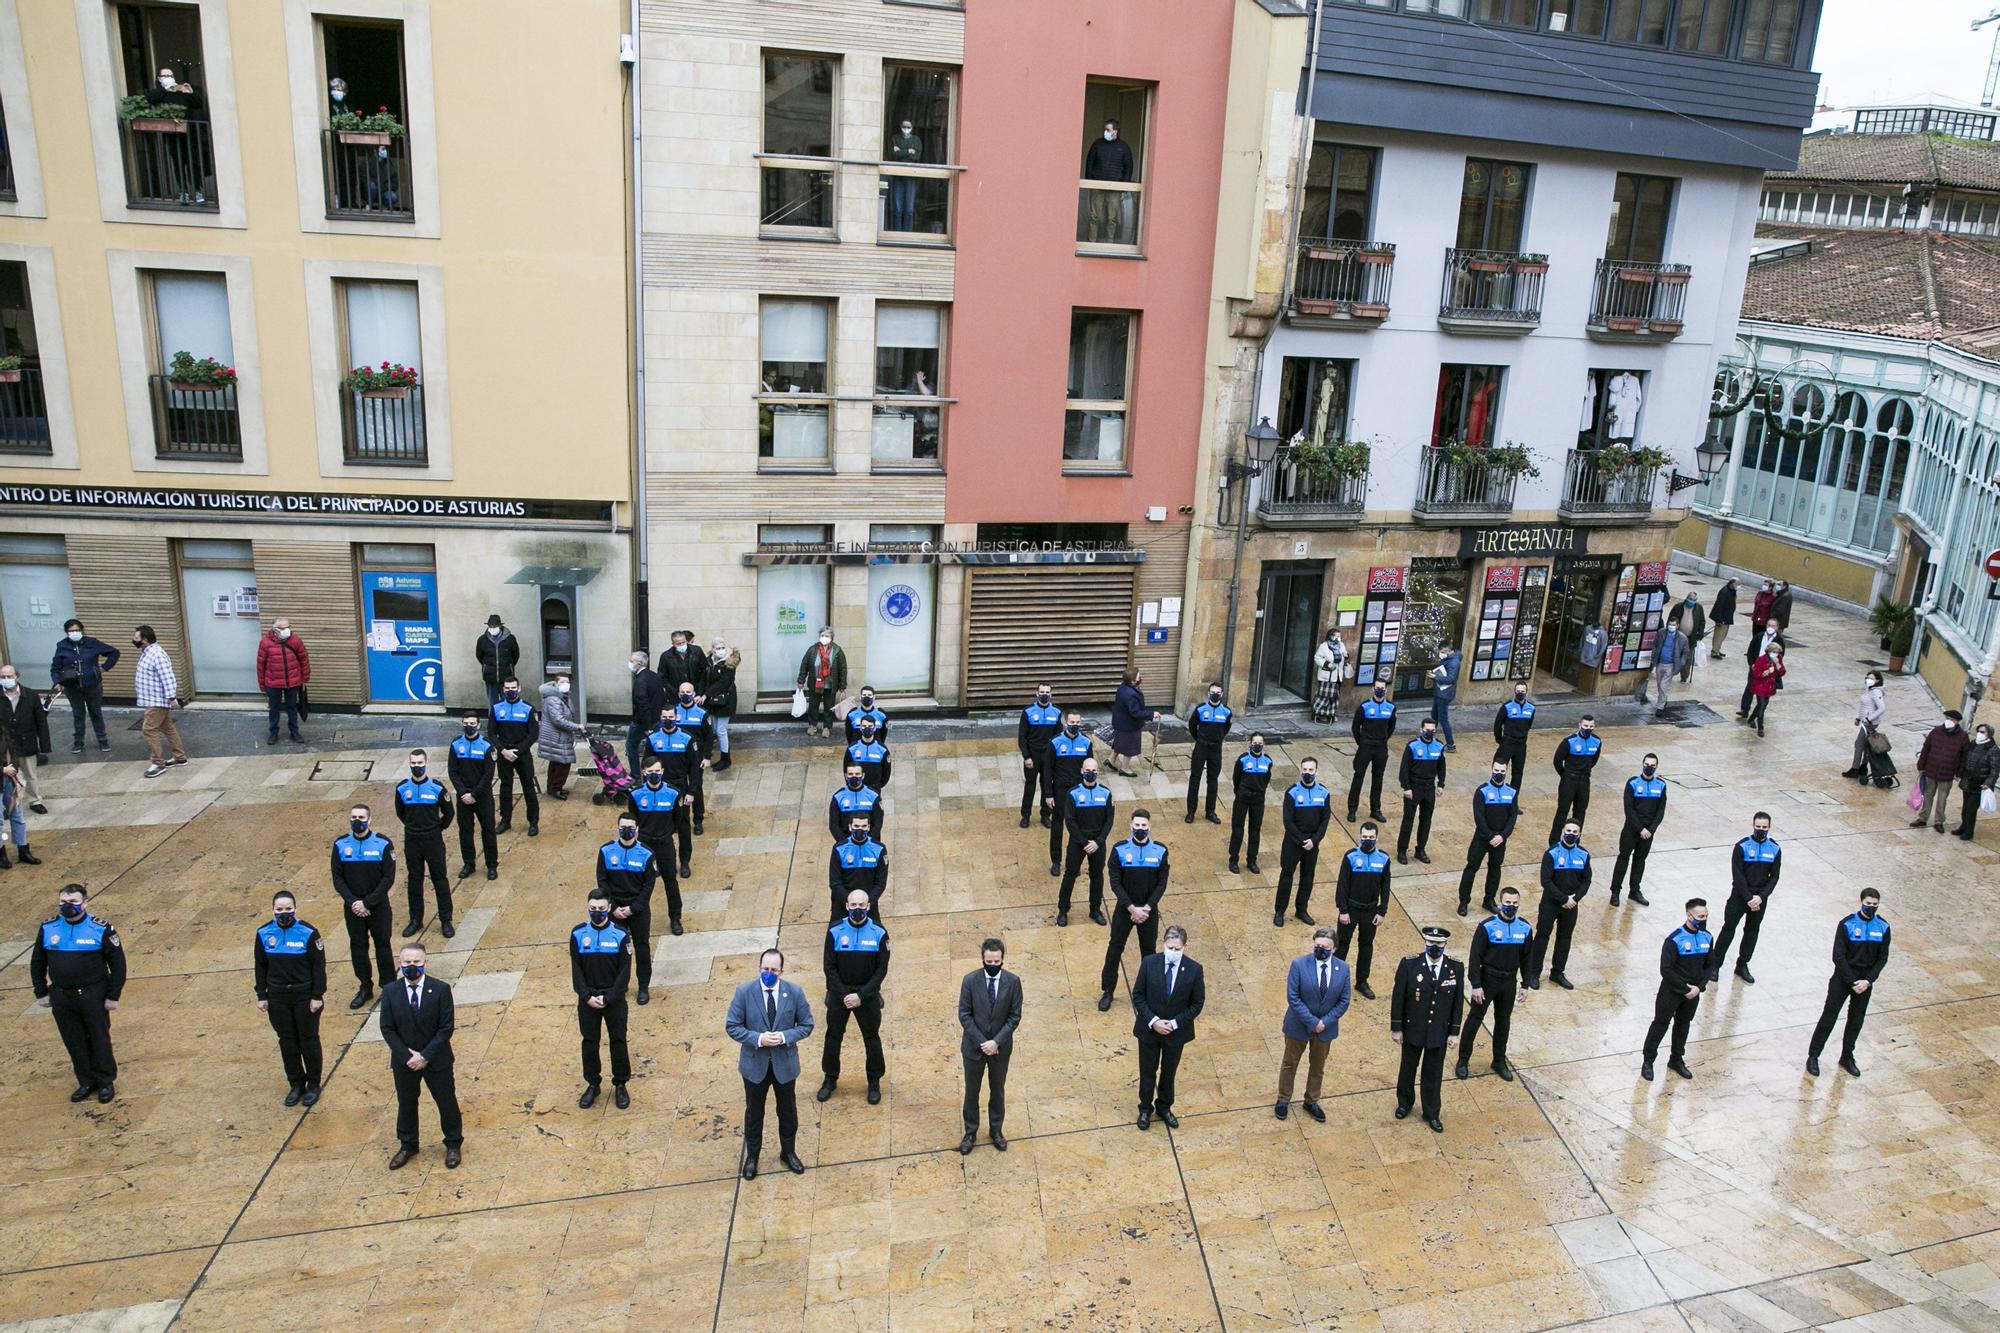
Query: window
point(1638, 230)
point(194, 411)
point(793, 396)
point(6, 160)
point(1611, 405)
point(1114, 165)
point(24, 412)
point(1770, 31)
point(1468, 403)
point(902, 612)
point(1312, 399)
point(169, 156)
point(1339, 193)
point(792, 603)
point(916, 142)
point(1642, 21)
point(798, 123)
point(1493, 205)
point(367, 171)
point(1100, 368)
point(1507, 13)
point(1585, 18)
point(909, 350)
point(382, 330)
point(1703, 25)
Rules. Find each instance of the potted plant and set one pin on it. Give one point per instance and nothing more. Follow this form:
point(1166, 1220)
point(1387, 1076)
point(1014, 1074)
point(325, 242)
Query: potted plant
point(1896, 625)
point(1321, 463)
point(1531, 264)
point(1617, 458)
point(1328, 250)
point(1509, 460)
point(10, 370)
point(376, 128)
point(186, 374)
point(1480, 261)
point(1376, 252)
point(388, 380)
point(151, 117)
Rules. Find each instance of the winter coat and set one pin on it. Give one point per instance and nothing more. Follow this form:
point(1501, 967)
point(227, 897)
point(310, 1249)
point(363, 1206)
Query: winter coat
point(1872, 708)
point(558, 731)
point(1330, 661)
point(688, 668)
point(282, 664)
point(649, 698)
point(1129, 711)
point(1942, 757)
point(1982, 766)
point(497, 657)
point(1763, 679)
point(84, 658)
point(722, 685)
point(25, 723)
point(1760, 610)
point(1781, 609)
point(1696, 626)
point(1723, 609)
point(836, 676)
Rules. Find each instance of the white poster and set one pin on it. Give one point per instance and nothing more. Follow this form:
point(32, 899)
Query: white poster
point(791, 606)
point(902, 614)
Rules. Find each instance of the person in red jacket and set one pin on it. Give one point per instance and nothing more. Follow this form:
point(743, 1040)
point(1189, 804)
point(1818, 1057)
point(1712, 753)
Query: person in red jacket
point(1765, 674)
point(282, 672)
point(1942, 761)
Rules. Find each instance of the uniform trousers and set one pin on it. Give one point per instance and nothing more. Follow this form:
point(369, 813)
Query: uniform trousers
point(593, 1023)
point(1671, 1005)
point(1122, 926)
point(85, 1026)
point(1206, 760)
point(423, 851)
point(663, 852)
point(1058, 826)
point(1072, 865)
point(1482, 849)
point(1572, 802)
point(479, 812)
point(1516, 757)
point(1737, 913)
point(1294, 859)
point(1370, 758)
point(1432, 1059)
point(1550, 916)
point(639, 924)
point(1838, 993)
point(1040, 779)
point(1249, 815)
point(522, 766)
point(1360, 921)
point(868, 1017)
point(1500, 991)
point(1633, 851)
point(292, 1018)
point(360, 931)
point(1418, 808)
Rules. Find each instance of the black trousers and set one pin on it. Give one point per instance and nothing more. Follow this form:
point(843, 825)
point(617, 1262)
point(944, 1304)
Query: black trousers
point(1551, 916)
point(1432, 1058)
point(360, 931)
point(693, 786)
point(1757, 710)
point(85, 1026)
point(84, 698)
point(1478, 850)
point(1360, 921)
point(297, 1026)
point(444, 1093)
point(1968, 811)
point(592, 1023)
point(480, 812)
point(1250, 815)
point(1840, 993)
point(754, 1095)
point(1074, 863)
point(1206, 760)
point(1039, 779)
point(1671, 1005)
point(1122, 926)
point(1737, 913)
point(993, 1069)
point(523, 767)
point(1371, 758)
point(1159, 1061)
point(423, 851)
point(1419, 808)
point(1632, 850)
point(1294, 859)
point(663, 852)
point(640, 924)
point(1516, 757)
point(867, 1017)
point(1499, 990)
point(1572, 802)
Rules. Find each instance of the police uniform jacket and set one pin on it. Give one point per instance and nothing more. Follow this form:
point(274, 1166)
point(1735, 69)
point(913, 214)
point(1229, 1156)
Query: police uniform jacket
point(1565, 872)
point(600, 961)
point(1307, 812)
point(1511, 724)
point(1090, 813)
point(625, 874)
point(846, 803)
point(1374, 722)
point(677, 752)
point(1860, 948)
point(1138, 872)
point(1250, 778)
point(1754, 867)
point(1364, 883)
point(1422, 769)
point(289, 960)
point(873, 756)
point(851, 865)
point(1684, 958)
point(1427, 1010)
point(1066, 756)
point(880, 718)
point(424, 807)
point(1577, 754)
point(1208, 723)
point(1494, 810)
point(1038, 727)
point(77, 956)
point(856, 959)
point(691, 720)
point(1499, 952)
point(363, 869)
point(513, 724)
point(471, 765)
point(1645, 802)
point(656, 808)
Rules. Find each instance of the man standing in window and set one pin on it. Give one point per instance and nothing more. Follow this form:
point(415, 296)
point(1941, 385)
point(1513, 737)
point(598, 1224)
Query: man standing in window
point(1110, 159)
point(905, 149)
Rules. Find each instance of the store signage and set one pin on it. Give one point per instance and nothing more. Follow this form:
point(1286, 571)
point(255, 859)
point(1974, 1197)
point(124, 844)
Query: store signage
point(132, 501)
point(1435, 564)
point(1588, 564)
point(405, 652)
point(855, 553)
point(1386, 578)
point(1521, 539)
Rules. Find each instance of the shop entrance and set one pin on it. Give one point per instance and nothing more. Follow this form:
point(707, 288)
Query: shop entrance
point(1581, 607)
point(1288, 630)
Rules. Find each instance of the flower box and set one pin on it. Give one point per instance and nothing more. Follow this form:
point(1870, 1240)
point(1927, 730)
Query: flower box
point(1635, 275)
point(10, 377)
point(1668, 326)
point(363, 137)
point(395, 391)
point(157, 125)
point(1672, 278)
point(1308, 306)
point(1526, 266)
point(1487, 265)
point(1322, 252)
point(1370, 310)
point(1622, 323)
point(191, 386)
point(1375, 256)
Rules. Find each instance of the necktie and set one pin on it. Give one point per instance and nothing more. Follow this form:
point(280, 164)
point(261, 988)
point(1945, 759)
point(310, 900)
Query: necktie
point(993, 991)
point(771, 1010)
point(1170, 978)
point(1322, 981)
point(413, 997)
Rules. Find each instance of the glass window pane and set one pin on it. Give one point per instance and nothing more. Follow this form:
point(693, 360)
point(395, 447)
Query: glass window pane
point(902, 614)
point(1585, 18)
point(916, 124)
point(794, 347)
point(382, 324)
point(906, 349)
point(791, 606)
point(191, 311)
point(798, 105)
point(1098, 343)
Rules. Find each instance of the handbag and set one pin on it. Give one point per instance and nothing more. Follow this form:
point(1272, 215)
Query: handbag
point(1878, 743)
point(799, 702)
point(1915, 800)
point(305, 704)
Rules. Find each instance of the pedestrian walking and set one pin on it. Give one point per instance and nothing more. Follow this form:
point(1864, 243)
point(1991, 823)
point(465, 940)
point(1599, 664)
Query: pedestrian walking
point(159, 695)
point(1941, 761)
point(1766, 677)
point(78, 671)
point(1721, 615)
point(1977, 780)
point(1781, 606)
point(721, 698)
point(24, 732)
point(1329, 671)
point(1860, 952)
point(1693, 625)
point(823, 676)
point(77, 968)
point(1129, 717)
point(557, 735)
point(1444, 692)
point(499, 653)
point(1668, 655)
point(1869, 715)
point(283, 670)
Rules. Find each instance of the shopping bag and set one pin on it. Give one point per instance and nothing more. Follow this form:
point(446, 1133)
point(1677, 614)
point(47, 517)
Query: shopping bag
point(1701, 653)
point(1915, 800)
point(846, 706)
point(1878, 742)
point(799, 702)
point(1987, 803)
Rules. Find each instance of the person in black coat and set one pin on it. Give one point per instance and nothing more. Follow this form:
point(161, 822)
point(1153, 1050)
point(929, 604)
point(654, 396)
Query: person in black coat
point(498, 653)
point(720, 701)
point(1721, 615)
point(24, 733)
point(649, 700)
point(417, 1022)
point(1425, 1014)
point(1167, 996)
point(683, 664)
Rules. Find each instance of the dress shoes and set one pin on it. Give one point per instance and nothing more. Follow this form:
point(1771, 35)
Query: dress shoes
point(465, 871)
point(1305, 917)
point(697, 828)
point(402, 1158)
point(1812, 1065)
point(965, 1144)
point(1367, 991)
point(674, 926)
point(1639, 897)
point(1170, 1120)
point(361, 998)
point(1024, 821)
point(1402, 858)
point(792, 1162)
point(874, 1092)
point(1503, 1069)
point(1055, 871)
point(1097, 915)
point(825, 1092)
point(1146, 1117)
point(1312, 1109)
point(1402, 1110)
point(534, 829)
point(1235, 867)
point(1423, 856)
point(105, 1092)
point(749, 1166)
point(412, 929)
point(1253, 867)
point(1680, 1067)
point(1188, 818)
point(1437, 1125)
point(1062, 918)
point(1461, 1070)
point(1212, 817)
point(312, 1094)
point(502, 827)
point(1562, 981)
point(1744, 973)
point(452, 1157)
point(446, 929)
point(296, 1095)
point(1846, 1062)
point(686, 870)
point(998, 1140)
point(1277, 918)
point(493, 872)
point(1281, 1110)
point(645, 996)
point(82, 1094)
point(619, 1097)
point(589, 1097)
point(1104, 1002)
point(1463, 909)
point(1646, 1070)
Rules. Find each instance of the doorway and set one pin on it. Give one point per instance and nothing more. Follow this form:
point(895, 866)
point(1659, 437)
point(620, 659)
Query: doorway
point(1288, 603)
point(1581, 604)
point(219, 599)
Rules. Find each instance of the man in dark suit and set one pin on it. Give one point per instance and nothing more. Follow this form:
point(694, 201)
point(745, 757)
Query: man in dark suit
point(989, 1010)
point(768, 1018)
point(1424, 1015)
point(417, 1022)
point(1167, 996)
point(649, 700)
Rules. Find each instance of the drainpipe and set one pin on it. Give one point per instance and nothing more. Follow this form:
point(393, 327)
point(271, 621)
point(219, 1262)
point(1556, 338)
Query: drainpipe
point(641, 553)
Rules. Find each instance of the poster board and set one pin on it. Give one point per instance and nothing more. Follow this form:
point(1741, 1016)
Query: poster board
point(1499, 621)
point(1528, 626)
point(1381, 626)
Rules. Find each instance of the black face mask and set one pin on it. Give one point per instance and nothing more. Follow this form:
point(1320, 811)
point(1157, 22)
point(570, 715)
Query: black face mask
point(1429, 734)
point(1307, 779)
point(1042, 699)
point(1868, 911)
point(1215, 696)
point(868, 735)
point(1321, 952)
point(513, 696)
point(857, 914)
point(1507, 911)
point(854, 784)
point(1090, 779)
point(1434, 950)
point(687, 701)
point(867, 701)
point(992, 969)
point(1520, 696)
point(628, 836)
point(472, 732)
point(359, 827)
point(70, 911)
point(1760, 834)
point(1650, 769)
point(1140, 835)
point(1696, 927)
point(416, 772)
point(1569, 839)
point(1256, 749)
point(1069, 728)
point(1500, 778)
point(599, 919)
point(1381, 694)
point(1368, 844)
point(857, 836)
point(654, 780)
point(413, 971)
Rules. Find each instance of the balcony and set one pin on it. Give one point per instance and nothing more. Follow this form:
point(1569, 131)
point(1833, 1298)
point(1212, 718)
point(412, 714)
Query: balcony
point(195, 421)
point(1455, 489)
point(1336, 283)
point(1491, 292)
point(383, 427)
point(367, 176)
point(1594, 492)
point(1107, 216)
point(1634, 302)
point(1293, 497)
point(24, 412)
point(169, 164)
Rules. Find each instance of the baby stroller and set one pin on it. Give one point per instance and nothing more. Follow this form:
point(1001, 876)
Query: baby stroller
point(615, 782)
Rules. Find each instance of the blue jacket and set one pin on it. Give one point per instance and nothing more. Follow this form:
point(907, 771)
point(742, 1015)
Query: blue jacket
point(82, 657)
point(1128, 709)
point(1303, 1004)
point(746, 1023)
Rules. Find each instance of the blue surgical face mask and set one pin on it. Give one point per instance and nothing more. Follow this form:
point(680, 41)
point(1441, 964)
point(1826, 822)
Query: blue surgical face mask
point(768, 977)
point(413, 971)
point(71, 911)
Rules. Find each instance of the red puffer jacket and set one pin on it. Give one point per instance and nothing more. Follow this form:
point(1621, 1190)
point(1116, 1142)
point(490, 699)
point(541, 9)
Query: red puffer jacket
point(282, 664)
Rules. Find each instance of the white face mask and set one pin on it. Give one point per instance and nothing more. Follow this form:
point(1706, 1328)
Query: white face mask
point(1173, 957)
point(720, 653)
point(166, 80)
point(9, 684)
point(495, 632)
point(76, 636)
point(340, 94)
point(284, 634)
point(562, 687)
point(826, 638)
point(1950, 725)
point(1109, 135)
point(906, 129)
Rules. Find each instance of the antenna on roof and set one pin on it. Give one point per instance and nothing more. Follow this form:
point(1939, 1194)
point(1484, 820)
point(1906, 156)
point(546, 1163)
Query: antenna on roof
point(1993, 62)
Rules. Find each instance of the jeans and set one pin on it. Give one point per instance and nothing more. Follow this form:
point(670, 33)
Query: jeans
point(1441, 710)
point(88, 695)
point(17, 820)
point(902, 203)
point(284, 697)
point(721, 725)
point(492, 694)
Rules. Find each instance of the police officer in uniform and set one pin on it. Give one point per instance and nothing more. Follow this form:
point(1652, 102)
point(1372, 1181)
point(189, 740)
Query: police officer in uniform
point(660, 811)
point(1361, 897)
point(866, 709)
point(600, 963)
point(1424, 1015)
point(625, 874)
point(1860, 952)
point(514, 728)
point(470, 768)
point(856, 959)
point(78, 971)
point(1495, 807)
point(1249, 780)
point(364, 870)
point(1067, 751)
point(1576, 754)
point(873, 756)
point(1753, 874)
point(1565, 879)
point(289, 958)
point(1645, 807)
point(855, 797)
point(1511, 724)
point(1374, 723)
point(687, 772)
point(1089, 810)
point(1208, 722)
point(1421, 776)
point(1684, 974)
point(1307, 810)
point(679, 759)
point(1495, 969)
point(1138, 880)
point(857, 862)
point(425, 808)
point(1040, 721)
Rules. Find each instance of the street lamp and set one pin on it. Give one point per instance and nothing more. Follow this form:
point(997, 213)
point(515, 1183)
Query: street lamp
point(1710, 457)
point(1258, 442)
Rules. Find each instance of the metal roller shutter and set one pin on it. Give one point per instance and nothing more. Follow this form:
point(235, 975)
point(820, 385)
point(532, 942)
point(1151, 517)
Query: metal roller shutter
point(120, 580)
point(312, 584)
point(1070, 626)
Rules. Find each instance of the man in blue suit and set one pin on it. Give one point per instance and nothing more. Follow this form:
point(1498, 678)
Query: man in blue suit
point(1316, 994)
point(768, 1018)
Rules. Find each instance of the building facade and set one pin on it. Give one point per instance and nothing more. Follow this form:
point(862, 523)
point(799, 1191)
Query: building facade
point(1482, 334)
point(199, 246)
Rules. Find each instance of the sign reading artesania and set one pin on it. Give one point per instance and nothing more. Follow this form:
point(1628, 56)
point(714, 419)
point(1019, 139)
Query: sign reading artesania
point(178, 500)
point(1520, 539)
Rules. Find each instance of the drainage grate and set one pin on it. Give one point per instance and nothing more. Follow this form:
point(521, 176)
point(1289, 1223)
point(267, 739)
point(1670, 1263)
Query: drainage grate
point(1694, 784)
point(342, 770)
point(1812, 798)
